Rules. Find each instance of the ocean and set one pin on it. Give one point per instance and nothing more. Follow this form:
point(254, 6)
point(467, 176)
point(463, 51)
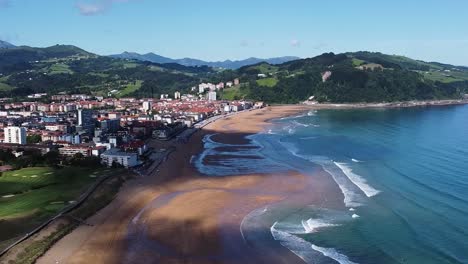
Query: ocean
point(402, 173)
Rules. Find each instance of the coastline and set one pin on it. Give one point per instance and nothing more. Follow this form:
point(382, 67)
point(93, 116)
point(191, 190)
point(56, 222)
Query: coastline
point(188, 211)
point(403, 104)
point(193, 217)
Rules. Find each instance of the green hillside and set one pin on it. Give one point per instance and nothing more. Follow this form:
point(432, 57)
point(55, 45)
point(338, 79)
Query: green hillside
point(26, 70)
point(355, 77)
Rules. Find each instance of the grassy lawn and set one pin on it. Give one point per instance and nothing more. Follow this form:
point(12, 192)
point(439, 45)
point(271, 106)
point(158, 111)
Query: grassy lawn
point(233, 93)
point(132, 87)
point(5, 87)
point(155, 68)
point(128, 65)
point(357, 62)
point(446, 77)
point(266, 68)
point(269, 82)
point(99, 74)
point(59, 68)
point(31, 195)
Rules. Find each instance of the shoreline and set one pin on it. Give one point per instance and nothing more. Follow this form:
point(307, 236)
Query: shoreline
point(178, 177)
point(403, 104)
point(194, 201)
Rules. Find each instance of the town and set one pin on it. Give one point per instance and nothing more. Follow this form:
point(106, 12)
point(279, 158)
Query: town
point(115, 131)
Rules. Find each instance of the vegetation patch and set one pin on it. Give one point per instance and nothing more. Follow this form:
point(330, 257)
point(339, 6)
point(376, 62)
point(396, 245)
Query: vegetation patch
point(131, 88)
point(268, 82)
point(233, 93)
point(39, 193)
point(30, 250)
point(5, 87)
point(59, 68)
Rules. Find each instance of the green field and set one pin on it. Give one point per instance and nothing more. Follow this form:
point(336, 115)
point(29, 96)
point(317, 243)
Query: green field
point(59, 68)
point(233, 93)
point(130, 65)
point(446, 77)
point(269, 82)
point(5, 87)
point(31, 195)
point(266, 68)
point(357, 62)
point(99, 74)
point(130, 88)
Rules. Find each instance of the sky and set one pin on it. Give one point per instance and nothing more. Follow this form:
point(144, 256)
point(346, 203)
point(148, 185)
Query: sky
point(237, 29)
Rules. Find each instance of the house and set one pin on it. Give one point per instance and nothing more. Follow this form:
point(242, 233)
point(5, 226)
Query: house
point(259, 105)
point(73, 150)
point(116, 156)
point(135, 146)
point(168, 131)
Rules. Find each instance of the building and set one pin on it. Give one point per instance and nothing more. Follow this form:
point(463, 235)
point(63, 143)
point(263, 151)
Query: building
point(168, 131)
point(85, 120)
point(177, 95)
point(147, 106)
point(236, 81)
point(15, 135)
point(110, 125)
point(211, 96)
point(326, 75)
point(115, 156)
point(73, 150)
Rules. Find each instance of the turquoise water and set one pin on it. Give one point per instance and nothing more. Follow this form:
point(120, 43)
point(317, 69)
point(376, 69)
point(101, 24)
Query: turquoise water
point(404, 177)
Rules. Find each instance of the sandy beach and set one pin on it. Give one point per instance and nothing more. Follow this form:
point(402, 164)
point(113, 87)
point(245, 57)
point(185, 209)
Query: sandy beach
point(178, 215)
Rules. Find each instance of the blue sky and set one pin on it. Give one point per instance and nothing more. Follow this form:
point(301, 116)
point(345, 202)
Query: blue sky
point(235, 29)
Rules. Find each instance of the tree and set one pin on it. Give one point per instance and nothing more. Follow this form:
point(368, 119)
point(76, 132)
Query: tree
point(52, 158)
point(33, 139)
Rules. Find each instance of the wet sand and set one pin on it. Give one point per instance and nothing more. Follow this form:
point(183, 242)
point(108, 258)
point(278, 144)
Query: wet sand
point(180, 216)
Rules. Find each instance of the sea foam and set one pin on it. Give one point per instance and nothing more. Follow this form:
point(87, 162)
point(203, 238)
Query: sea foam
point(357, 180)
point(352, 196)
point(295, 244)
point(302, 248)
point(312, 225)
point(333, 254)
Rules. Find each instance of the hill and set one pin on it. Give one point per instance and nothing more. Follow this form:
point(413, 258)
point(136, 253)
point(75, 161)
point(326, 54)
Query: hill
point(6, 45)
point(26, 70)
point(352, 77)
point(227, 64)
point(347, 77)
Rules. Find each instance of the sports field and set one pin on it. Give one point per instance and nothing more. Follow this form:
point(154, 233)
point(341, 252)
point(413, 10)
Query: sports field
point(31, 195)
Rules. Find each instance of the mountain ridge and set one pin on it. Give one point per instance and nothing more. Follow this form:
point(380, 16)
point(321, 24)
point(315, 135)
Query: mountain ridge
point(347, 77)
point(6, 45)
point(227, 64)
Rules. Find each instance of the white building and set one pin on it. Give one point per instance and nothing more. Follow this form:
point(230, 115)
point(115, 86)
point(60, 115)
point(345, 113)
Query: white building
point(147, 106)
point(177, 95)
point(126, 159)
point(211, 96)
point(16, 135)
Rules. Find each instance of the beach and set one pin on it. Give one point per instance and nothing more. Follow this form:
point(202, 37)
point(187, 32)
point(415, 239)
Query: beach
point(181, 216)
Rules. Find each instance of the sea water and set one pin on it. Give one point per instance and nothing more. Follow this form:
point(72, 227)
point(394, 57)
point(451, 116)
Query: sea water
point(403, 174)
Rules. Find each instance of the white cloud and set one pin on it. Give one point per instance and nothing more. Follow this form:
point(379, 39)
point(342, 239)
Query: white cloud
point(295, 43)
point(95, 7)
